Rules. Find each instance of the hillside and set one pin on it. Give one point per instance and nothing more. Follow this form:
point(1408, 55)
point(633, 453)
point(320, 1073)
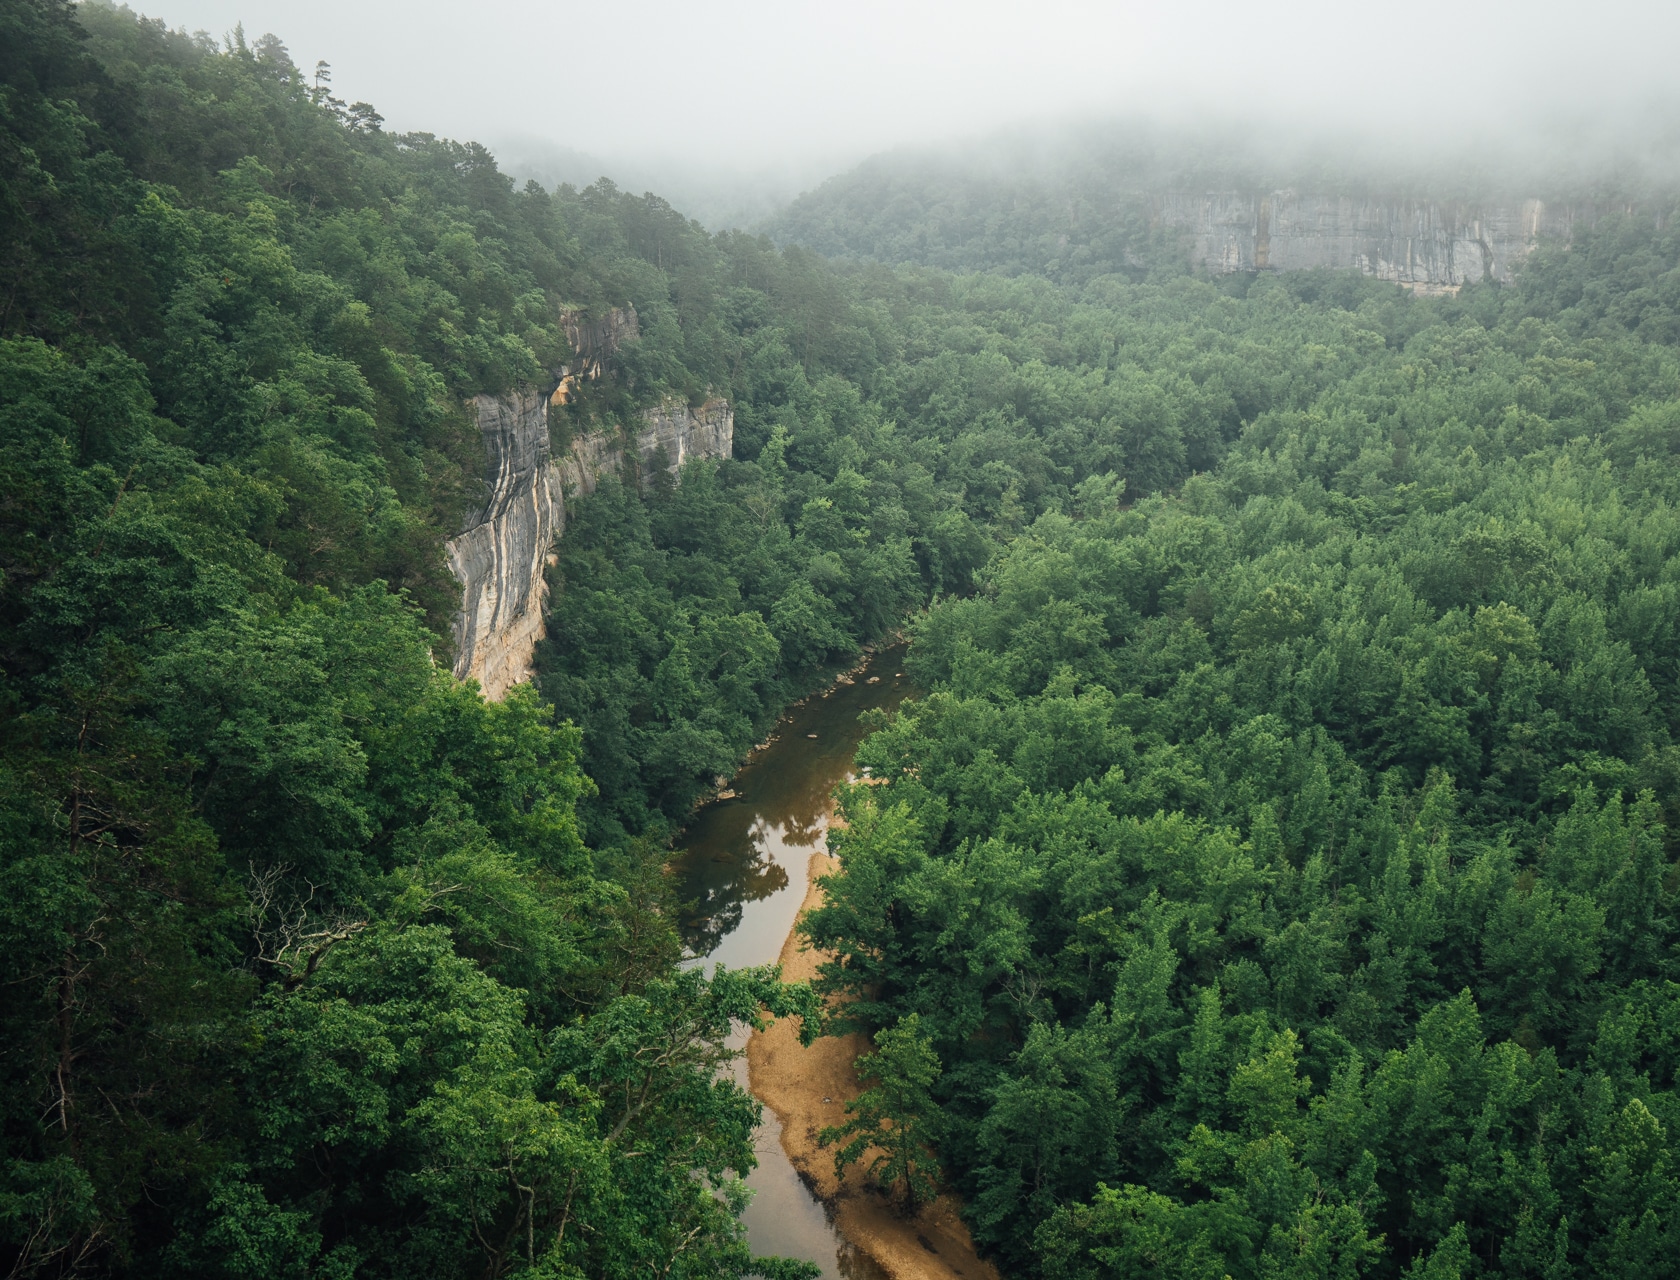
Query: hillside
point(1139, 198)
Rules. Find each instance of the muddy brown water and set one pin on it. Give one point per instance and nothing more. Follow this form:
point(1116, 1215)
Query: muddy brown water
point(741, 867)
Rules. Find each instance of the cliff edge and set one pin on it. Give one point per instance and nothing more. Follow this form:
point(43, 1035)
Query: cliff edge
point(504, 547)
point(500, 554)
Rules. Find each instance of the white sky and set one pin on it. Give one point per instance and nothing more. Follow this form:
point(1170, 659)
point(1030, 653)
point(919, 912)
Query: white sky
point(757, 83)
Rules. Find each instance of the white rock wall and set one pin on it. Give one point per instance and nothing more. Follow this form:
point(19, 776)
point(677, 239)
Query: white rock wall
point(684, 433)
point(501, 555)
point(499, 558)
point(1430, 246)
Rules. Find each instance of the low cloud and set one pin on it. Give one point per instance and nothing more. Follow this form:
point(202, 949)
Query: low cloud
point(785, 91)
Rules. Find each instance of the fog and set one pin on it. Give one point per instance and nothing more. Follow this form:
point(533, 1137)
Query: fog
point(762, 98)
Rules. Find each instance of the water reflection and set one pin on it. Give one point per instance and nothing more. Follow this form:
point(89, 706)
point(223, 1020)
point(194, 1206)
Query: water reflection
point(715, 903)
point(742, 868)
point(741, 864)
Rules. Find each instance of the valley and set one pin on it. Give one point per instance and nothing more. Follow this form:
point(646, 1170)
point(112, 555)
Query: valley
point(1066, 723)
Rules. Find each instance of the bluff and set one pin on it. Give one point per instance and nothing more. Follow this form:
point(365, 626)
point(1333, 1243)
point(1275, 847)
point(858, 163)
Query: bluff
point(1075, 217)
point(1427, 245)
point(594, 341)
point(504, 547)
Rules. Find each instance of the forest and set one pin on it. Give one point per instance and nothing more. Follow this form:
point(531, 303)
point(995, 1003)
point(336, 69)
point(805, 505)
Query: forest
point(1277, 879)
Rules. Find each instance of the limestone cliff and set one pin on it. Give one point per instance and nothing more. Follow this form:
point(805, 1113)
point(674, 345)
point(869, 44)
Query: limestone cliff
point(683, 433)
point(499, 556)
point(1429, 246)
point(502, 552)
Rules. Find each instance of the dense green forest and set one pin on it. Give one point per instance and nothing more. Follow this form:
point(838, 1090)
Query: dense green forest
point(1277, 879)
point(1281, 869)
point(309, 966)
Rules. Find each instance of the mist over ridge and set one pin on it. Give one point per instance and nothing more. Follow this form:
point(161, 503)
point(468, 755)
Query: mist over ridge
point(729, 109)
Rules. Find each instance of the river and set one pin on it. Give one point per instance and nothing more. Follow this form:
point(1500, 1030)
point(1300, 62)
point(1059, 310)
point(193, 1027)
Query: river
point(742, 870)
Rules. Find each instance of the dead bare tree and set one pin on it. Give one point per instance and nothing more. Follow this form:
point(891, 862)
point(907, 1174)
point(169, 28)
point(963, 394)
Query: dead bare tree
point(288, 935)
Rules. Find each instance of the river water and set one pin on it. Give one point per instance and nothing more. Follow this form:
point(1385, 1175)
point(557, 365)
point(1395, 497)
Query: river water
point(742, 871)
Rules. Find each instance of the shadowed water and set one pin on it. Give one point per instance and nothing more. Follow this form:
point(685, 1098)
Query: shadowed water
point(741, 868)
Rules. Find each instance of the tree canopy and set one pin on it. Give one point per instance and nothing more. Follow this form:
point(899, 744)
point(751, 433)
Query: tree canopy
point(309, 967)
point(1278, 878)
point(1281, 865)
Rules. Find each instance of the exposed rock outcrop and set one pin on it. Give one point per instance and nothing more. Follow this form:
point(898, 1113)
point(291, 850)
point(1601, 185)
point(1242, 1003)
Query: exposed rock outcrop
point(1428, 246)
point(500, 555)
point(684, 433)
point(502, 552)
point(672, 426)
point(594, 341)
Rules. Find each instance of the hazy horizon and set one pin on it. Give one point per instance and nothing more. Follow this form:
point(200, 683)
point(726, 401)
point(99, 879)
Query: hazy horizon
point(747, 103)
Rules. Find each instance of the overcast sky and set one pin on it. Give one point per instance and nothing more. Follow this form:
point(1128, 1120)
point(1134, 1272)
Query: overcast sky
point(750, 83)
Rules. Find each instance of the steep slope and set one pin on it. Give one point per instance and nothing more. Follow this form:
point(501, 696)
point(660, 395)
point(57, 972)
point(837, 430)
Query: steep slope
point(1431, 246)
point(500, 556)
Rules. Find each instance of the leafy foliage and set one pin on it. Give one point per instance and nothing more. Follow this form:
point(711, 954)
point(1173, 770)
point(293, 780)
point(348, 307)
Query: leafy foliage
point(1278, 879)
point(309, 969)
point(1281, 867)
point(896, 1117)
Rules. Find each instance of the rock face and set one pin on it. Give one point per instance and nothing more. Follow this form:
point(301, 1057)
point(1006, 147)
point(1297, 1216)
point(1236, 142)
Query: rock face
point(684, 433)
point(502, 552)
point(594, 341)
point(499, 557)
point(1428, 246)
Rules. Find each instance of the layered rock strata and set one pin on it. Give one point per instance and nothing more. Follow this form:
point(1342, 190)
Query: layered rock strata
point(504, 548)
point(499, 556)
point(683, 433)
point(1428, 246)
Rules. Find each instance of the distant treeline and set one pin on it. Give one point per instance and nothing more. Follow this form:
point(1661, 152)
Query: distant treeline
point(1076, 203)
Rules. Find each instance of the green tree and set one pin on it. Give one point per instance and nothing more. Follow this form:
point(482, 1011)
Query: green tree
point(895, 1121)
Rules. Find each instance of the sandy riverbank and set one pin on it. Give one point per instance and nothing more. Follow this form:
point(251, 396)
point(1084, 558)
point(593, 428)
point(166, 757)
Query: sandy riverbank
point(807, 1089)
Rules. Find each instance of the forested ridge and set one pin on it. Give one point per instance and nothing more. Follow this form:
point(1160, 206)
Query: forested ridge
point(1276, 880)
point(1123, 196)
